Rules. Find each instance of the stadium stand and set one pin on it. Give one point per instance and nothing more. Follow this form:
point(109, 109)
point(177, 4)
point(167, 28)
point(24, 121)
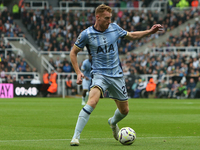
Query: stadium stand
point(55, 32)
point(61, 28)
point(13, 64)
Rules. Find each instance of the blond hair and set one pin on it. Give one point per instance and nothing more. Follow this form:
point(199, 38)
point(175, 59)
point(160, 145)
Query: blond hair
point(101, 8)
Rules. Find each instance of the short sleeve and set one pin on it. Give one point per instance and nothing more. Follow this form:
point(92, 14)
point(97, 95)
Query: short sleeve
point(81, 40)
point(121, 32)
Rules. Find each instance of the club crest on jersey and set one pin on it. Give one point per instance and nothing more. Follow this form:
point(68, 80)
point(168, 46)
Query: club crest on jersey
point(105, 49)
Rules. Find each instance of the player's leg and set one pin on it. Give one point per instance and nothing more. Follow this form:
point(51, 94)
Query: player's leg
point(121, 111)
point(84, 97)
point(87, 93)
point(85, 114)
point(117, 91)
point(85, 89)
point(96, 92)
point(87, 96)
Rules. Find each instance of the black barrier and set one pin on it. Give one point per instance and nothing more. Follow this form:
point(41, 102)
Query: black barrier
point(25, 90)
point(29, 90)
point(178, 79)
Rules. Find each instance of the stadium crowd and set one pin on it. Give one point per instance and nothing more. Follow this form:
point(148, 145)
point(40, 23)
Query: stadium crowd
point(188, 37)
point(57, 31)
point(8, 28)
point(112, 3)
point(10, 61)
point(182, 69)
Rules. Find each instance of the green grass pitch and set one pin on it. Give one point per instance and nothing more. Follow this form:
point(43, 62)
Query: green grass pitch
point(48, 124)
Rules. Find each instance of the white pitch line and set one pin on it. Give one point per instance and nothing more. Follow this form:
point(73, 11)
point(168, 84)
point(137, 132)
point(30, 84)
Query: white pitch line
point(181, 137)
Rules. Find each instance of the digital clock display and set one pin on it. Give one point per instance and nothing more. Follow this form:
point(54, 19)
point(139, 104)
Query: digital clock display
point(25, 90)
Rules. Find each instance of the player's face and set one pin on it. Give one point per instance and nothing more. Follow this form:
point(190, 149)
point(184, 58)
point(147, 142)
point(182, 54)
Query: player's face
point(104, 19)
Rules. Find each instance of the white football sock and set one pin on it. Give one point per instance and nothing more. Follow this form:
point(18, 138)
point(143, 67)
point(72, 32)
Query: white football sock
point(86, 97)
point(82, 120)
point(117, 117)
point(83, 98)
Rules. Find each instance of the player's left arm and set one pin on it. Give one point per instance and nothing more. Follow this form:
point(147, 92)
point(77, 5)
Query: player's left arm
point(140, 34)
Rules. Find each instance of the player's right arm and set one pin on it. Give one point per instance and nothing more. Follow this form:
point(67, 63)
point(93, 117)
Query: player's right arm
point(78, 46)
point(73, 57)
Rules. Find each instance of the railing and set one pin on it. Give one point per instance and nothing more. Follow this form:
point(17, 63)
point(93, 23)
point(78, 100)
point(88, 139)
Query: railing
point(146, 77)
point(179, 9)
point(21, 40)
point(84, 4)
point(6, 50)
point(47, 65)
point(81, 5)
point(116, 9)
point(36, 4)
point(61, 82)
point(18, 74)
point(62, 54)
point(2, 8)
point(160, 5)
point(185, 50)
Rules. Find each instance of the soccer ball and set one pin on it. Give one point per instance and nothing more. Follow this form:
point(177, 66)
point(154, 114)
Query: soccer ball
point(126, 136)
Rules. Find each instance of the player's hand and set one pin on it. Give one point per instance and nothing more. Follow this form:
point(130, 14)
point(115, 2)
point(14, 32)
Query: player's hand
point(155, 28)
point(80, 77)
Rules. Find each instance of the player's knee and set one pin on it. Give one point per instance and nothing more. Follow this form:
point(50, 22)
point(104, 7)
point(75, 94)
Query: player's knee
point(92, 103)
point(125, 111)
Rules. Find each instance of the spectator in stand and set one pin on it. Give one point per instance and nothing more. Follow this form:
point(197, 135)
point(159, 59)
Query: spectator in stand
point(191, 88)
point(182, 4)
point(57, 62)
point(181, 91)
point(128, 86)
point(197, 89)
point(69, 85)
point(162, 90)
point(4, 63)
point(21, 81)
point(9, 79)
point(195, 3)
point(151, 87)
point(9, 67)
point(21, 67)
point(173, 89)
point(160, 76)
point(36, 80)
point(139, 87)
point(61, 48)
point(60, 39)
point(2, 73)
point(8, 45)
point(52, 62)
point(53, 84)
point(1, 25)
point(46, 44)
point(67, 68)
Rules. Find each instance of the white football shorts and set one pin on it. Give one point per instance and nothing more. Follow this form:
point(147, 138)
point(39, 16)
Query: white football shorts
point(115, 86)
point(86, 84)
